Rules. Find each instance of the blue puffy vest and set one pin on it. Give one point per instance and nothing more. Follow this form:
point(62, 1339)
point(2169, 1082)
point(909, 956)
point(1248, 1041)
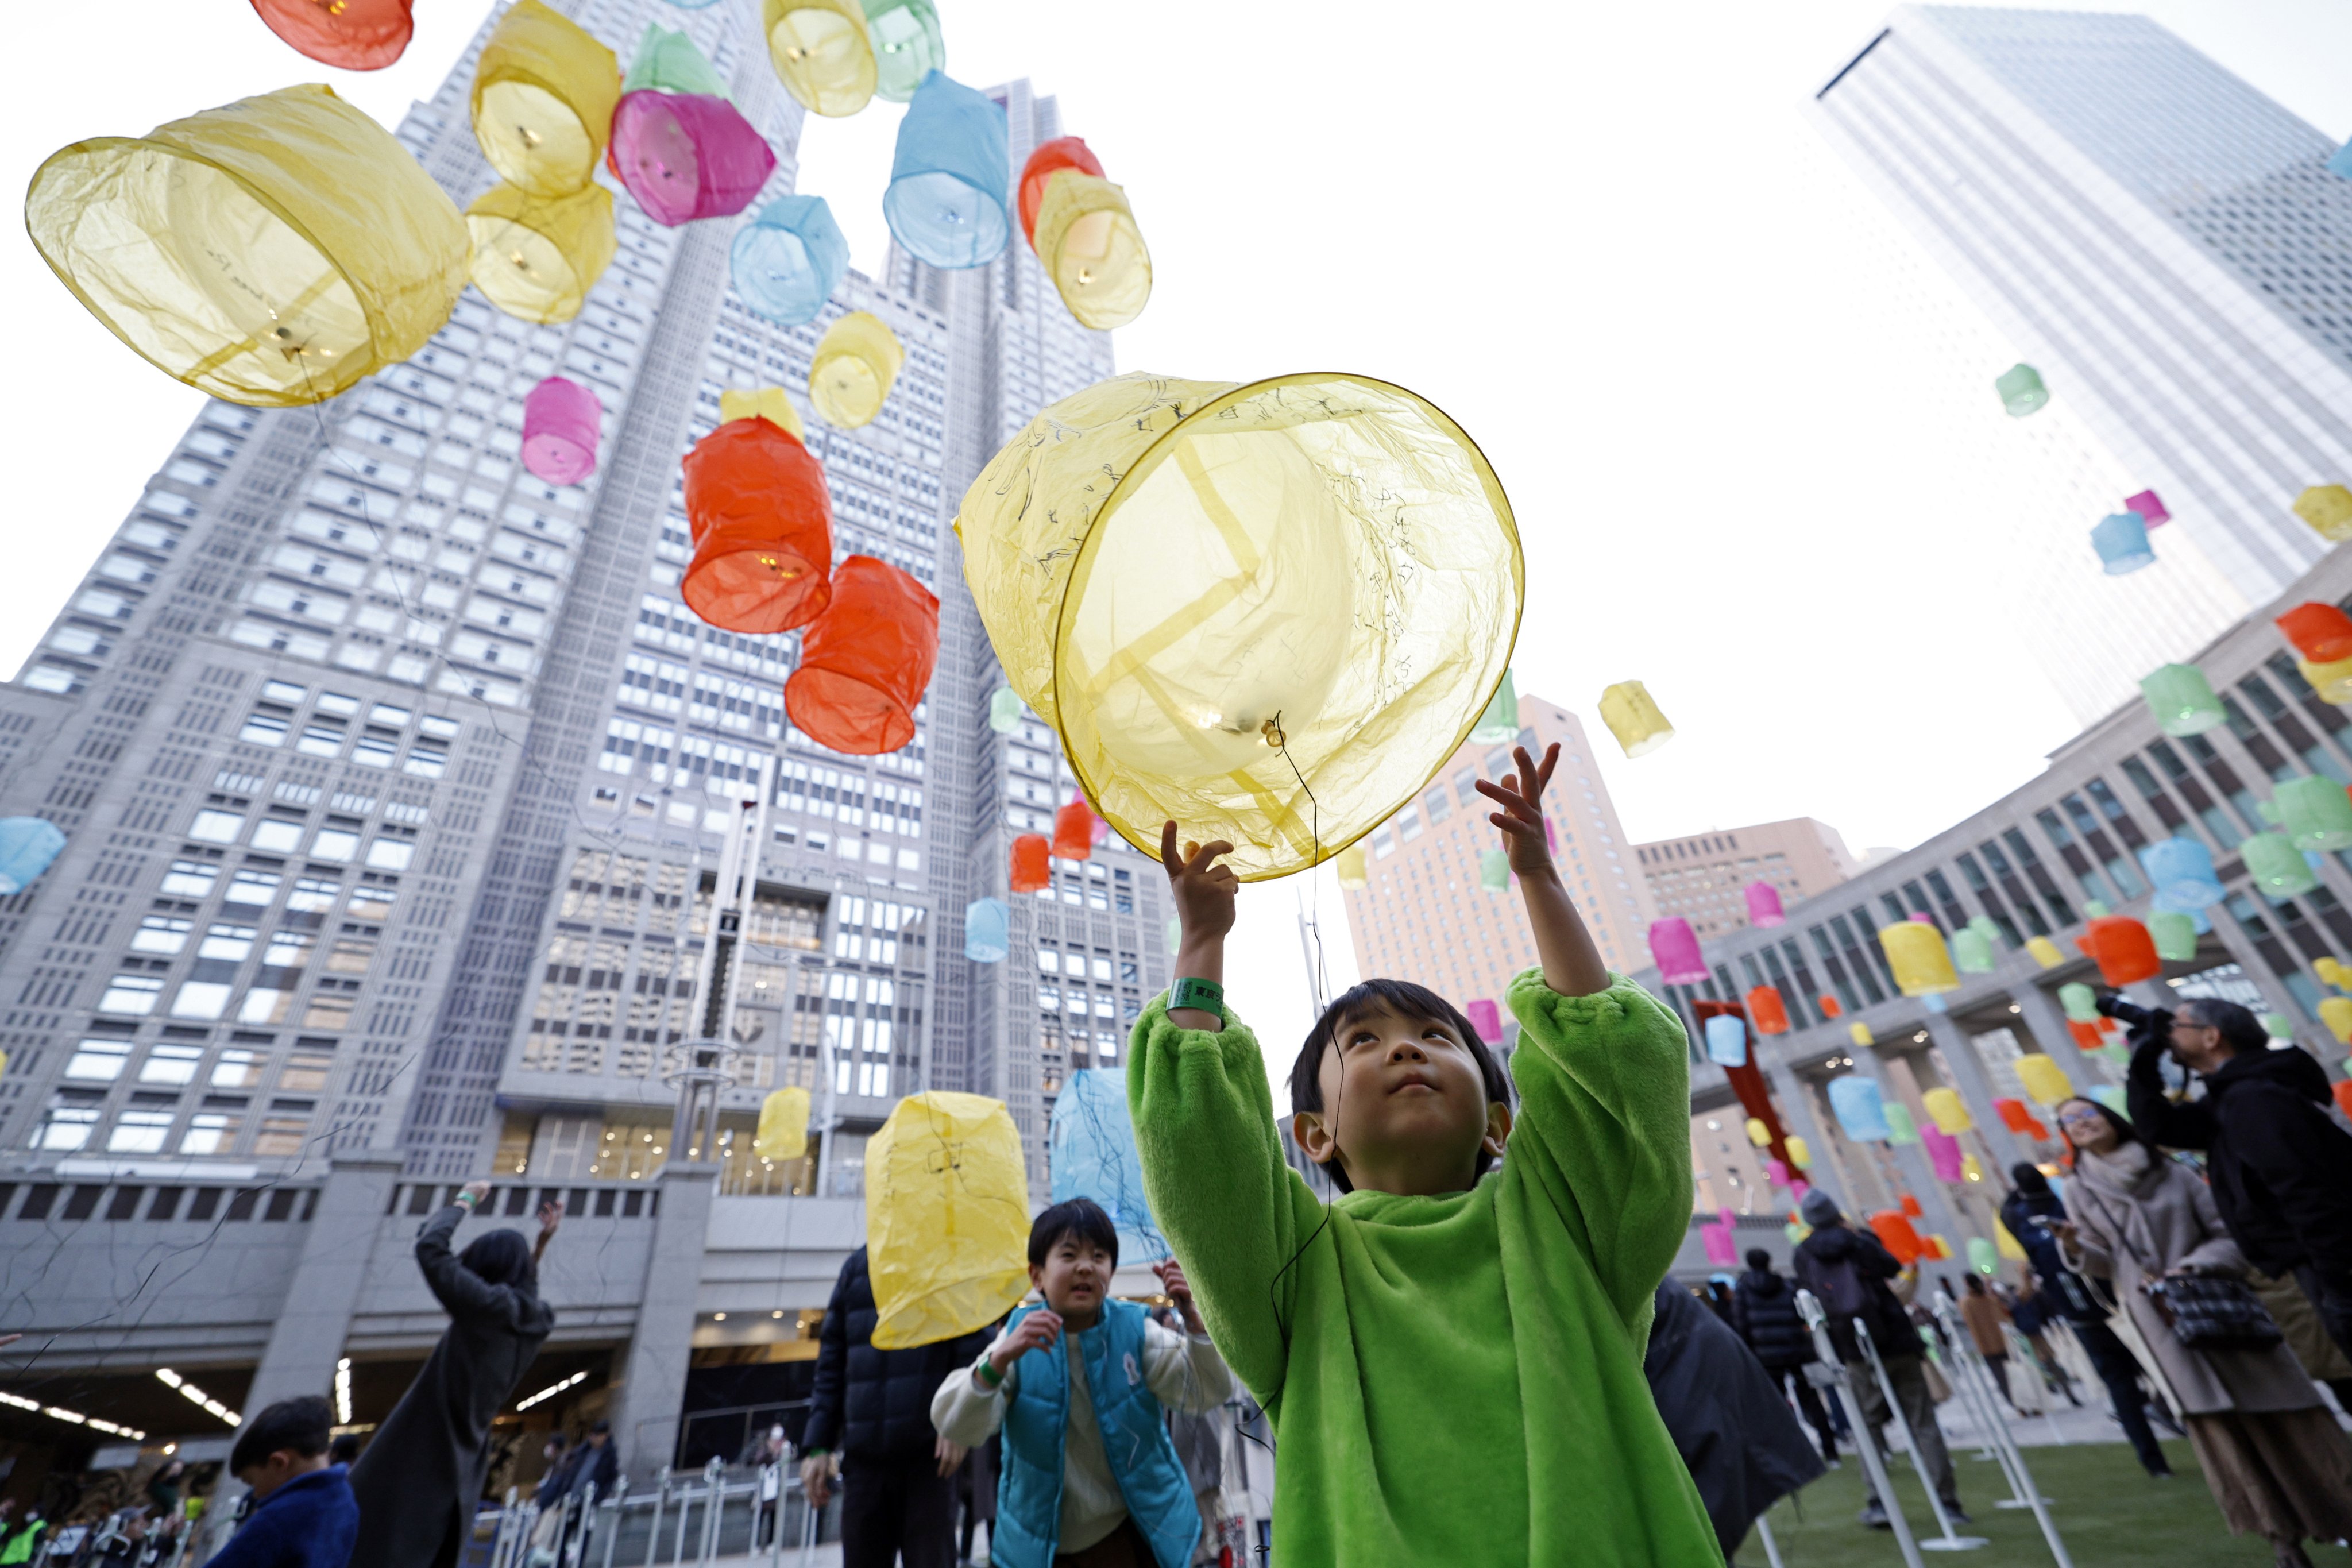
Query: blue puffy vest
point(1028, 1526)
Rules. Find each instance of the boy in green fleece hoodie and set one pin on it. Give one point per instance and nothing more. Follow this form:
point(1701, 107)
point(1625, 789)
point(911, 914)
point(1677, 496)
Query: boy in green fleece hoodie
point(1452, 1366)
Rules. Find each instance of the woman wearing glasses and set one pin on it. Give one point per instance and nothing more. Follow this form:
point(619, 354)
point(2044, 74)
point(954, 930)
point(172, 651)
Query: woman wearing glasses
point(2278, 1464)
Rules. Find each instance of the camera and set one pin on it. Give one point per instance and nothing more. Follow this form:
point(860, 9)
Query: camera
point(2114, 1005)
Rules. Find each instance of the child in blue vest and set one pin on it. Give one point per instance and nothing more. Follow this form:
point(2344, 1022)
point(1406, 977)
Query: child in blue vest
point(1090, 1478)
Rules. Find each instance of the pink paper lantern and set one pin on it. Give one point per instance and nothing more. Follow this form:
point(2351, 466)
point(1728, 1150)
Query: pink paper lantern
point(1487, 1018)
point(1715, 1236)
point(1764, 904)
point(1943, 1154)
point(2151, 511)
point(686, 156)
point(562, 421)
point(1674, 947)
point(1777, 1172)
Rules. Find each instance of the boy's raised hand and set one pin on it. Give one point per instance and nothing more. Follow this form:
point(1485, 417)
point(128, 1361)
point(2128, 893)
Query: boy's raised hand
point(1204, 890)
point(1572, 963)
point(1037, 1332)
point(1521, 818)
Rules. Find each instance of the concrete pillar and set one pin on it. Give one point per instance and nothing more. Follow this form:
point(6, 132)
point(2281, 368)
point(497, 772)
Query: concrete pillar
point(1797, 1112)
point(1912, 1157)
point(1975, 1088)
point(2046, 1022)
point(307, 1338)
point(651, 1393)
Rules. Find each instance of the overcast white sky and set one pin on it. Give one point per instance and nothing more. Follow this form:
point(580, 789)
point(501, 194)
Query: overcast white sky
point(1606, 256)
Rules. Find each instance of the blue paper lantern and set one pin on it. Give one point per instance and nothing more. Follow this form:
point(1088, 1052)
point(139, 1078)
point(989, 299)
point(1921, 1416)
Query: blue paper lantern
point(2181, 872)
point(1934, 1001)
point(987, 931)
point(2340, 161)
point(1727, 1040)
point(1090, 1152)
point(27, 844)
point(789, 259)
point(2121, 540)
point(950, 176)
point(1860, 1109)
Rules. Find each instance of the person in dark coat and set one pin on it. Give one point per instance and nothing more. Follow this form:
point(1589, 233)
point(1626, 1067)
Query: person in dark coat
point(2276, 1151)
point(303, 1513)
point(870, 1421)
point(1764, 1311)
point(422, 1475)
point(2028, 1212)
point(1725, 1415)
point(595, 1462)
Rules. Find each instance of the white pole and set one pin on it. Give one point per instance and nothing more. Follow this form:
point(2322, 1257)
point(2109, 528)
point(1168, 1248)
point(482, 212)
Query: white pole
point(1865, 1437)
point(1951, 1539)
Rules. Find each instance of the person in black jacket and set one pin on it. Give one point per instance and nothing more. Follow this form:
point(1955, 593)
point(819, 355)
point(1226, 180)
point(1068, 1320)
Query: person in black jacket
point(2278, 1158)
point(1764, 1311)
point(1847, 1270)
point(870, 1419)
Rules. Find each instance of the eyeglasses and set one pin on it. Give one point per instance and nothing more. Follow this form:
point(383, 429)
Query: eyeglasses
point(2079, 1118)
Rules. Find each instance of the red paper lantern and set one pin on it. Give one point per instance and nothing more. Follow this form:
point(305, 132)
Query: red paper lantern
point(350, 35)
point(1910, 1205)
point(1829, 1005)
point(2342, 1090)
point(2013, 1115)
point(867, 661)
point(2123, 949)
point(1934, 1250)
point(762, 523)
point(2321, 633)
point(2036, 1128)
point(1050, 158)
point(1073, 829)
point(1900, 1239)
point(1767, 1011)
point(2086, 1033)
point(1030, 870)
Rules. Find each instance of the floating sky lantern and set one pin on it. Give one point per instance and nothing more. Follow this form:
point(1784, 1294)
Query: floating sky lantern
point(2151, 511)
point(1635, 718)
point(1074, 830)
point(1764, 904)
point(1947, 1111)
point(688, 155)
point(1050, 158)
point(782, 1133)
point(1032, 870)
point(1983, 1257)
point(1494, 870)
point(2123, 949)
point(822, 53)
point(851, 373)
point(2315, 811)
point(1901, 1127)
point(1485, 1018)
point(2331, 971)
point(2084, 1034)
point(771, 404)
point(2021, 389)
point(667, 60)
point(1090, 1150)
point(2121, 540)
point(2079, 1002)
point(1500, 724)
point(907, 45)
point(271, 252)
point(27, 846)
point(1800, 1155)
point(2043, 1080)
point(536, 258)
point(2013, 1115)
point(867, 661)
point(1897, 1234)
point(2339, 163)
point(947, 1218)
point(2328, 510)
point(561, 424)
point(1971, 953)
point(2276, 866)
point(2335, 1012)
point(2182, 700)
point(1352, 870)
point(1943, 1154)
point(1004, 711)
point(762, 526)
point(1915, 952)
point(1831, 1007)
point(2045, 951)
point(543, 97)
point(2320, 633)
point(787, 261)
point(1252, 664)
point(2175, 934)
point(2331, 683)
point(950, 176)
point(1768, 1011)
point(987, 931)
point(1858, 1033)
point(2181, 872)
point(1860, 1108)
point(1759, 1135)
point(350, 35)
point(1090, 246)
point(1727, 1040)
point(1673, 948)
point(2094, 909)
point(2279, 1026)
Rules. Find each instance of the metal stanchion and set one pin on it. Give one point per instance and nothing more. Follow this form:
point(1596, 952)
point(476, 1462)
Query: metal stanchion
point(2032, 1493)
point(1951, 1539)
point(652, 1531)
point(1824, 1374)
point(1771, 1547)
point(1984, 1411)
point(616, 1503)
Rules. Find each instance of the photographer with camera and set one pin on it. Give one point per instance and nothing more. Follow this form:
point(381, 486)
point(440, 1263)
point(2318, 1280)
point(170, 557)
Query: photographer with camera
point(2276, 1150)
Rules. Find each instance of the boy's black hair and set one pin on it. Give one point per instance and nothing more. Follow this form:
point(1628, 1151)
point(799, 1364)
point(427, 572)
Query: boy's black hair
point(1406, 1000)
point(1081, 1217)
point(302, 1425)
point(1759, 1260)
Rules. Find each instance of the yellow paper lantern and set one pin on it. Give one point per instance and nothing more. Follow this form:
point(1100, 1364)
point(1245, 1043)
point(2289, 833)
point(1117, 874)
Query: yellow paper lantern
point(2330, 971)
point(1859, 1034)
point(856, 362)
point(1969, 1170)
point(1945, 1109)
point(2007, 1246)
point(2332, 682)
point(1349, 863)
point(1915, 952)
point(783, 1125)
point(1943, 1245)
point(543, 100)
point(2335, 1012)
point(1269, 611)
point(1800, 1153)
point(947, 1218)
point(271, 252)
point(822, 52)
point(1757, 1133)
point(2328, 510)
point(1088, 238)
point(2044, 1079)
point(536, 258)
point(768, 403)
point(1640, 728)
point(2045, 951)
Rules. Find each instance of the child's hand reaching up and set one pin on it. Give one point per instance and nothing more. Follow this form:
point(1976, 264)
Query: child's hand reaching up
point(1521, 818)
point(1203, 892)
point(1571, 964)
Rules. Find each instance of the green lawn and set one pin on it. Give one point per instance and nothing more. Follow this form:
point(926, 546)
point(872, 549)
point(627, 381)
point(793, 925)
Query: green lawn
point(2108, 1512)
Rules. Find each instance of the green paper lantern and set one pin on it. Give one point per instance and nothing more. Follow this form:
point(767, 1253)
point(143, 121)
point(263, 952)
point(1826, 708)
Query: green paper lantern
point(1971, 953)
point(2276, 866)
point(2111, 1097)
point(1986, 927)
point(2020, 390)
point(2182, 700)
point(1901, 1126)
point(2081, 1002)
point(1004, 711)
point(907, 45)
point(2278, 1026)
point(2314, 813)
point(2096, 910)
point(1983, 1255)
point(668, 62)
point(1500, 722)
point(1495, 871)
point(2175, 934)
point(1175, 934)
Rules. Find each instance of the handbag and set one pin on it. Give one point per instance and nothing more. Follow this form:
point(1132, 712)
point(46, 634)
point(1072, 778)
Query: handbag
point(2204, 1312)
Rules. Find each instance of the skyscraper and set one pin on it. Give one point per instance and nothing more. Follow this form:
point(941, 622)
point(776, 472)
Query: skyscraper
point(2163, 243)
point(1704, 876)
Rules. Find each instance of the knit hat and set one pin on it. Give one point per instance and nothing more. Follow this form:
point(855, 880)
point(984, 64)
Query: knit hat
point(1819, 1208)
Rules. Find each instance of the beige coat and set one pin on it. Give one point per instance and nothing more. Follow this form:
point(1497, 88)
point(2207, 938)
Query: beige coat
point(2127, 1205)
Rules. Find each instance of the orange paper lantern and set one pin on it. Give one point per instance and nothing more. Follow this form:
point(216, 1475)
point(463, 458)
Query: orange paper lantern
point(1073, 829)
point(1767, 1011)
point(2321, 633)
point(1049, 160)
point(350, 35)
point(2085, 1034)
point(762, 523)
point(1829, 1005)
point(2123, 949)
point(867, 661)
point(1030, 870)
point(2013, 1115)
point(1896, 1231)
point(1910, 1205)
point(2342, 1090)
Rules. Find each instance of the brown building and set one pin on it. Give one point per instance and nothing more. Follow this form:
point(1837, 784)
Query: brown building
point(1704, 876)
point(1424, 917)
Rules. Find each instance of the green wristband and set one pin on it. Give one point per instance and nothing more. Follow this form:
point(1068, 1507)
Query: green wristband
point(994, 1378)
point(1206, 995)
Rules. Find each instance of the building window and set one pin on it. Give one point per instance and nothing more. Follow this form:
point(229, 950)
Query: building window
point(171, 1064)
point(139, 1132)
point(134, 995)
point(65, 1128)
point(209, 1132)
point(98, 1061)
point(217, 826)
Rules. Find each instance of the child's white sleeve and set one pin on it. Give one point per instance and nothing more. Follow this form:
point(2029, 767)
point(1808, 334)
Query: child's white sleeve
point(1184, 1372)
point(966, 1410)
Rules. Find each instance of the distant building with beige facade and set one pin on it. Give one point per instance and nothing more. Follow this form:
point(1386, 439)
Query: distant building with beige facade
point(1423, 916)
point(1704, 876)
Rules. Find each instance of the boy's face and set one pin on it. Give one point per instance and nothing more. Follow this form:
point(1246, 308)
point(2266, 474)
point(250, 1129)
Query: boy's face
point(1404, 1106)
point(1074, 1276)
